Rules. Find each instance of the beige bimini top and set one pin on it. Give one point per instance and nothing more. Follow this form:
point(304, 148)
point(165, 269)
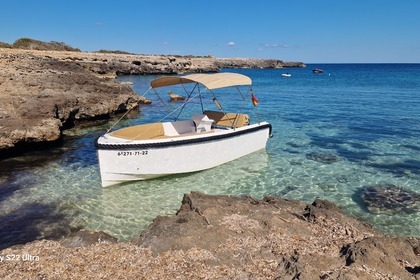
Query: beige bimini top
point(210, 81)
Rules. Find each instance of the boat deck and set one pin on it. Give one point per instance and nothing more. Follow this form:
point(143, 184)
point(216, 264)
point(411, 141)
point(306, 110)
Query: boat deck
point(164, 130)
point(140, 132)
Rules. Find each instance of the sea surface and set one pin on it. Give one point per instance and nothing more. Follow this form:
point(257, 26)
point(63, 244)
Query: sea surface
point(335, 133)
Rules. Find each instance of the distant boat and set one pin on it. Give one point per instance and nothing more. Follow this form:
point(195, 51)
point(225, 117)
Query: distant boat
point(317, 70)
point(286, 75)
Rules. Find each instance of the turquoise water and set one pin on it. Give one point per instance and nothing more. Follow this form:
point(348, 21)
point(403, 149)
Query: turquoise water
point(364, 116)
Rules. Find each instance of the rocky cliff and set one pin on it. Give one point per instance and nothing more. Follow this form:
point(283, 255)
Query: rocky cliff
point(112, 64)
point(224, 237)
point(40, 96)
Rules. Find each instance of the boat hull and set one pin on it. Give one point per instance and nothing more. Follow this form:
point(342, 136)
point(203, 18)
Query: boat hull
point(141, 160)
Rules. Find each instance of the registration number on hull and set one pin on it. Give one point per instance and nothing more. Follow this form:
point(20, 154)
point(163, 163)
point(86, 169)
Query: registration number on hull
point(132, 153)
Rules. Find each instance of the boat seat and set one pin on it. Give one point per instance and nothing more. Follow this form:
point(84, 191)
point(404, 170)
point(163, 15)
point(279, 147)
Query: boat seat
point(232, 120)
point(178, 128)
point(202, 122)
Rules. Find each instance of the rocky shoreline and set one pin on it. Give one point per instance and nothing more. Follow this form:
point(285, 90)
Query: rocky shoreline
point(40, 96)
point(225, 237)
point(44, 92)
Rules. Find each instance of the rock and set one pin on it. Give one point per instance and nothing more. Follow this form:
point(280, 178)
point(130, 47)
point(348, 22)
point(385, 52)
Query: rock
point(390, 199)
point(254, 63)
point(384, 256)
point(40, 96)
point(86, 238)
point(239, 229)
point(175, 97)
point(227, 237)
point(112, 64)
point(321, 209)
point(323, 157)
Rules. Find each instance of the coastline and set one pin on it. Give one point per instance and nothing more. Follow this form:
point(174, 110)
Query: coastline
point(43, 93)
point(211, 236)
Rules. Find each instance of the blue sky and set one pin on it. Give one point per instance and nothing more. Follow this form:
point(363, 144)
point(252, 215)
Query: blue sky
point(310, 31)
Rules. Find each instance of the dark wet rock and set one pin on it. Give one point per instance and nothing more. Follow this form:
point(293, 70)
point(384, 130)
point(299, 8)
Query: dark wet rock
point(323, 157)
point(389, 199)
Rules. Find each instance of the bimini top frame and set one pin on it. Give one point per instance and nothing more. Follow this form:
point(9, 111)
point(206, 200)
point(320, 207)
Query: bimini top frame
point(209, 81)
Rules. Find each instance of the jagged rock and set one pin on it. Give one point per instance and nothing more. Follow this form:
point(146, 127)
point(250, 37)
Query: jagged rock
point(321, 209)
point(384, 256)
point(40, 96)
point(299, 241)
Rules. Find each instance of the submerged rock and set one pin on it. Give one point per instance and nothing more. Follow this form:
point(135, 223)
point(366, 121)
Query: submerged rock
point(323, 157)
point(388, 198)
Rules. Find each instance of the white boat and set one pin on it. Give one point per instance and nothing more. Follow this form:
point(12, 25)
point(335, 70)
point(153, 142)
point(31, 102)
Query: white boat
point(205, 140)
point(286, 75)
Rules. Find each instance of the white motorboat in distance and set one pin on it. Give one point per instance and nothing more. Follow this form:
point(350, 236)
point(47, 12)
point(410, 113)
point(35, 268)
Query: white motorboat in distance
point(205, 140)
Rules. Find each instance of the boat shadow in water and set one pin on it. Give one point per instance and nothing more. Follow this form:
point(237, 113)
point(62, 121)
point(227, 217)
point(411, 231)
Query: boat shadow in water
point(35, 221)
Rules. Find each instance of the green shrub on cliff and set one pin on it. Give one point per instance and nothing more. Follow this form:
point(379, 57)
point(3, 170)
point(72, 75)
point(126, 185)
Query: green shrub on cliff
point(114, 52)
point(5, 45)
point(31, 44)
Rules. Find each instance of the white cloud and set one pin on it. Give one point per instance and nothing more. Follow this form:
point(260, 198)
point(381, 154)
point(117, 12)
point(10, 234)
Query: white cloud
point(231, 44)
point(284, 46)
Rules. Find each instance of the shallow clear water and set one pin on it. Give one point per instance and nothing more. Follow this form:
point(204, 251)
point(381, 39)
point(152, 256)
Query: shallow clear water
point(366, 116)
